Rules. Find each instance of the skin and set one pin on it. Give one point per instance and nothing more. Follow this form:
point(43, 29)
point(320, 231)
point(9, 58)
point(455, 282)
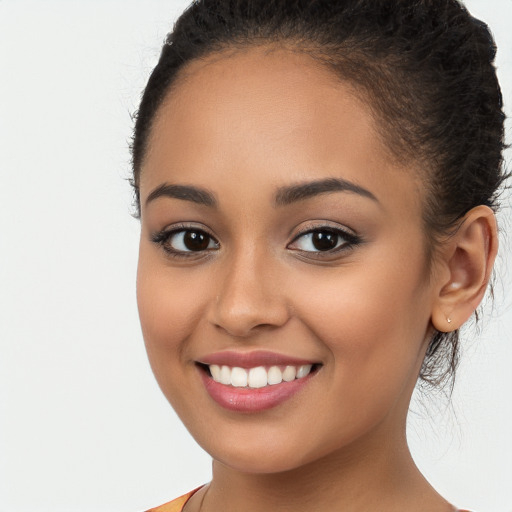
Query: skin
point(242, 125)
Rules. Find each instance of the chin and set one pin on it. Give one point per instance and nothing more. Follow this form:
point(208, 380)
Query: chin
point(265, 452)
point(245, 462)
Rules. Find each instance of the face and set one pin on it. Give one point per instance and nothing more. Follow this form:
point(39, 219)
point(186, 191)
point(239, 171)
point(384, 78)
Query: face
point(282, 283)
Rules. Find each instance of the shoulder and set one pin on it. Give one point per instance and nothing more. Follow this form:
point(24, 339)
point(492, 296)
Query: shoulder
point(174, 505)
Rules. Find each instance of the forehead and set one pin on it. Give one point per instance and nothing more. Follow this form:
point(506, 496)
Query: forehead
point(267, 117)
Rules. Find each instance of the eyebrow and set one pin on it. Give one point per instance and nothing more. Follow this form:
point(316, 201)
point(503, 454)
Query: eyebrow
point(185, 192)
point(291, 194)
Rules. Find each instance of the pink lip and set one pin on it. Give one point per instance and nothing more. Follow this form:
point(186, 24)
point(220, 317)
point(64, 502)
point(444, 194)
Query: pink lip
point(252, 359)
point(247, 400)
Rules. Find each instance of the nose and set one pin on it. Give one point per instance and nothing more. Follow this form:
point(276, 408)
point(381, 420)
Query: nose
point(250, 296)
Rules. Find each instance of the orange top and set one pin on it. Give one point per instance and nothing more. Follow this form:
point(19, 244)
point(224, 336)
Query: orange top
point(178, 504)
point(174, 505)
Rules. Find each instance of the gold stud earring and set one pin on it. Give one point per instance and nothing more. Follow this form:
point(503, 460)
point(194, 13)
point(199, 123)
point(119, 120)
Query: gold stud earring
point(449, 320)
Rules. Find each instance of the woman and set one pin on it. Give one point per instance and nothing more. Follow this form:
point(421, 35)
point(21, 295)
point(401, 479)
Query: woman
point(316, 183)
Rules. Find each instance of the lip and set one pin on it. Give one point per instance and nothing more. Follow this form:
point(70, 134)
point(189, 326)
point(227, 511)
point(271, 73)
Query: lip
point(248, 400)
point(252, 400)
point(253, 359)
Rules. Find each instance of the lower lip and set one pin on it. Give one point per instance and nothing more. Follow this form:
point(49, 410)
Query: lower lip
point(249, 399)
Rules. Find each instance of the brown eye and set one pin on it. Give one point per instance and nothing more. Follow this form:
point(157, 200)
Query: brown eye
point(186, 241)
point(320, 241)
point(324, 240)
point(196, 240)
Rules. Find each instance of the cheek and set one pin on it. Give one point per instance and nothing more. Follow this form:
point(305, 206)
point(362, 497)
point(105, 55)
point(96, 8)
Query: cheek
point(383, 291)
point(170, 302)
point(373, 319)
point(375, 345)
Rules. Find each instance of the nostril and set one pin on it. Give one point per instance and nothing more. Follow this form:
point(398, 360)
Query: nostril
point(241, 332)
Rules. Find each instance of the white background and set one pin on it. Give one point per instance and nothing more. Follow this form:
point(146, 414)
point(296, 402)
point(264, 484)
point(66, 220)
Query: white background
point(83, 426)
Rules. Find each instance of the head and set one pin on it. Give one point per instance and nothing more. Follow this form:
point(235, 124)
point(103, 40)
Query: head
point(418, 98)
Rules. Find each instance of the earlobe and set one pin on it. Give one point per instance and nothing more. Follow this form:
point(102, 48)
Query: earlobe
point(467, 260)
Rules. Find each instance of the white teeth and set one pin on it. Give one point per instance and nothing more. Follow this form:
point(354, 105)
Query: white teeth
point(239, 377)
point(225, 375)
point(289, 373)
point(274, 376)
point(303, 371)
point(215, 371)
point(257, 377)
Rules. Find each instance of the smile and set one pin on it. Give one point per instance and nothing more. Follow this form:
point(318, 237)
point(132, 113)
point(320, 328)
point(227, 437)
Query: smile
point(256, 381)
point(257, 377)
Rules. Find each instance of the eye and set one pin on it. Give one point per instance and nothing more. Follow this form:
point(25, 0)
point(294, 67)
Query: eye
point(323, 240)
point(179, 242)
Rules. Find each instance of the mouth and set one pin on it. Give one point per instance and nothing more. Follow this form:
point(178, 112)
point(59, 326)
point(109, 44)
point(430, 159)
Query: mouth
point(257, 377)
point(254, 382)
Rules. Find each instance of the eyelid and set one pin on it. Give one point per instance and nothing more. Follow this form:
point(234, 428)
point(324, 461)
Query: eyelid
point(325, 225)
point(351, 239)
point(183, 226)
point(347, 234)
point(162, 236)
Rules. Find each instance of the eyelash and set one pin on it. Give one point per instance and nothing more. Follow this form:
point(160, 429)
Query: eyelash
point(350, 241)
point(163, 238)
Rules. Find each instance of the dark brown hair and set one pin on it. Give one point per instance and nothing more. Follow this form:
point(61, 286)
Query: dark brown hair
point(425, 67)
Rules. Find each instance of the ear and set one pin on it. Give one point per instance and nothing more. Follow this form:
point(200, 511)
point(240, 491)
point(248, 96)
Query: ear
point(464, 269)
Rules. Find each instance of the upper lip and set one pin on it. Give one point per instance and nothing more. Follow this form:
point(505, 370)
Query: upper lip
point(252, 359)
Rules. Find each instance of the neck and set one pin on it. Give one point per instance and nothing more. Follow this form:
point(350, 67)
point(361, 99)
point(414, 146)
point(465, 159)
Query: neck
point(374, 473)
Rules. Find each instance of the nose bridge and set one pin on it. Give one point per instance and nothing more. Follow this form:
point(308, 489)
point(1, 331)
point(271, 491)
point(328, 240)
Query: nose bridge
point(248, 293)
